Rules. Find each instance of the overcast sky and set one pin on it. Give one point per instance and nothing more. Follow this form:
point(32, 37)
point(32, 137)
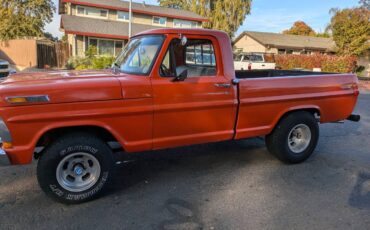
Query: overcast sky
point(268, 15)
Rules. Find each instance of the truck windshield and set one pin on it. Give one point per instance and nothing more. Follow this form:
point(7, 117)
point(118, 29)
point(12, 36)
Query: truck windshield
point(139, 54)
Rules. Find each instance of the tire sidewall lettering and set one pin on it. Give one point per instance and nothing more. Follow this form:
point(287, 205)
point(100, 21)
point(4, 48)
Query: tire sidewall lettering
point(76, 197)
point(78, 148)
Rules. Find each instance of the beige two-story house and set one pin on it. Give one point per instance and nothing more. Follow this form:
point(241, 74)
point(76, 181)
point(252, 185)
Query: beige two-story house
point(105, 24)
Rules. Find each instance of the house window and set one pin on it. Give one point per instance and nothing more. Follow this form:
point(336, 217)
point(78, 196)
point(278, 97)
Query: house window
point(281, 51)
point(118, 47)
point(93, 42)
point(159, 21)
point(123, 16)
point(80, 10)
point(106, 47)
point(92, 12)
point(184, 24)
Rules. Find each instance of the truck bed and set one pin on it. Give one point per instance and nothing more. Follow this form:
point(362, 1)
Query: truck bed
point(243, 74)
point(272, 93)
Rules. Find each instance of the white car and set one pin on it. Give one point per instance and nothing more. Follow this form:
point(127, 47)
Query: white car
point(251, 61)
point(4, 68)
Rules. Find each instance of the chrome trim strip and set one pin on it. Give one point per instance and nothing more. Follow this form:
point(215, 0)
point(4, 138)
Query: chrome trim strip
point(299, 76)
point(4, 132)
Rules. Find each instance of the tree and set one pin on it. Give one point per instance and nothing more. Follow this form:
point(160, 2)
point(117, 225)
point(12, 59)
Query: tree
point(323, 35)
point(300, 28)
point(351, 30)
point(226, 15)
point(21, 18)
point(50, 36)
point(365, 4)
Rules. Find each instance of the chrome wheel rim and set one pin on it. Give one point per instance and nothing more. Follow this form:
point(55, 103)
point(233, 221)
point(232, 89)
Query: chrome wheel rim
point(299, 138)
point(78, 172)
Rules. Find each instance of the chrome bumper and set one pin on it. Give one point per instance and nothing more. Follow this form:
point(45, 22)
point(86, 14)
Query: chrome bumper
point(4, 160)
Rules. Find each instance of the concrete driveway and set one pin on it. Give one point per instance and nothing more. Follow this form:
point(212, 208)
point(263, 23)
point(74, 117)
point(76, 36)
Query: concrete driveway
point(233, 185)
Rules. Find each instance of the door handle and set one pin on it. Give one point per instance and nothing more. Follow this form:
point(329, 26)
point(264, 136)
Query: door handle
point(223, 85)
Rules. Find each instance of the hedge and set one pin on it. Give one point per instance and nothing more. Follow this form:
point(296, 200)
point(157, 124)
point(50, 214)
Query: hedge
point(90, 61)
point(327, 63)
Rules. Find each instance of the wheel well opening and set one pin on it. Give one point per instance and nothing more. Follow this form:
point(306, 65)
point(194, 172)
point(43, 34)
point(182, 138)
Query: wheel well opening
point(56, 133)
point(315, 112)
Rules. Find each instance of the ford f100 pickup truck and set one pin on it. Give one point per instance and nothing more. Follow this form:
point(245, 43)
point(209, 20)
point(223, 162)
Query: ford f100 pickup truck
point(168, 88)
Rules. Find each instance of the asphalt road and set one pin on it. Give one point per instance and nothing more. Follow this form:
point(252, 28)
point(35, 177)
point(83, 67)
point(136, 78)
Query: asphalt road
point(231, 185)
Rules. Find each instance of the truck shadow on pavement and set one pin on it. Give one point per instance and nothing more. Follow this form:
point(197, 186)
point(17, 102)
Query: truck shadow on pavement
point(192, 160)
point(360, 195)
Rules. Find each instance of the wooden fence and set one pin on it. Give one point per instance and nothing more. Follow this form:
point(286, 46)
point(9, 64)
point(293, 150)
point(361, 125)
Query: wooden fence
point(63, 52)
point(51, 55)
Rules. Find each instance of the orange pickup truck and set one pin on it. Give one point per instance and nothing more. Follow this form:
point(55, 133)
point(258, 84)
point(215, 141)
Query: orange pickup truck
point(168, 88)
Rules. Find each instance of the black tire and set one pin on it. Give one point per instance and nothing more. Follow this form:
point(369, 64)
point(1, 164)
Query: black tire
point(277, 141)
point(66, 147)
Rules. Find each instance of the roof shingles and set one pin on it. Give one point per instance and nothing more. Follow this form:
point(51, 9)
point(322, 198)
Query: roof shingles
point(98, 27)
point(141, 8)
point(290, 41)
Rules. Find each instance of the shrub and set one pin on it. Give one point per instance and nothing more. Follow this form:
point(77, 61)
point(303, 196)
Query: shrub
point(327, 63)
point(96, 62)
point(90, 61)
point(360, 71)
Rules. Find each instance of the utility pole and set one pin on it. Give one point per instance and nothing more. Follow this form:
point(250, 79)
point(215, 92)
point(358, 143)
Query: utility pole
point(130, 20)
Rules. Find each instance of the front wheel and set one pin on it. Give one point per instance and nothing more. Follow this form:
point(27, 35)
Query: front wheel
point(295, 137)
point(75, 168)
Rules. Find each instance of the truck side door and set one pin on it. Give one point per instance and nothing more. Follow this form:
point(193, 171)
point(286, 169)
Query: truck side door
point(200, 109)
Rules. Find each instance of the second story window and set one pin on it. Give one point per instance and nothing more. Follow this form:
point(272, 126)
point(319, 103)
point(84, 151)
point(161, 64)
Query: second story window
point(159, 21)
point(80, 10)
point(184, 24)
point(92, 12)
point(123, 16)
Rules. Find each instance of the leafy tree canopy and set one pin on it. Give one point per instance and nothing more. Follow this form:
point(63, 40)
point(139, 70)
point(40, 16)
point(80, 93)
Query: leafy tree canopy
point(300, 28)
point(323, 35)
point(226, 15)
point(23, 18)
point(50, 36)
point(351, 30)
point(365, 4)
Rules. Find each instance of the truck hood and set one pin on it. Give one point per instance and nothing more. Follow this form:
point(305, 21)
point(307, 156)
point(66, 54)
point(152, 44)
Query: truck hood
point(63, 86)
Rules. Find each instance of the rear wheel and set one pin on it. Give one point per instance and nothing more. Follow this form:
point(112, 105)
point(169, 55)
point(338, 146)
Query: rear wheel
point(75, 168)
point(295, 137)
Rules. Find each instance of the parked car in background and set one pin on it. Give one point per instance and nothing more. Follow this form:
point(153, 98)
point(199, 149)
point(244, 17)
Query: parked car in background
point(4, 68)
point(251, 61)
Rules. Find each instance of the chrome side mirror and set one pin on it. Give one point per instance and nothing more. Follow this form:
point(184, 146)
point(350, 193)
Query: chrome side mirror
point(184, 40)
